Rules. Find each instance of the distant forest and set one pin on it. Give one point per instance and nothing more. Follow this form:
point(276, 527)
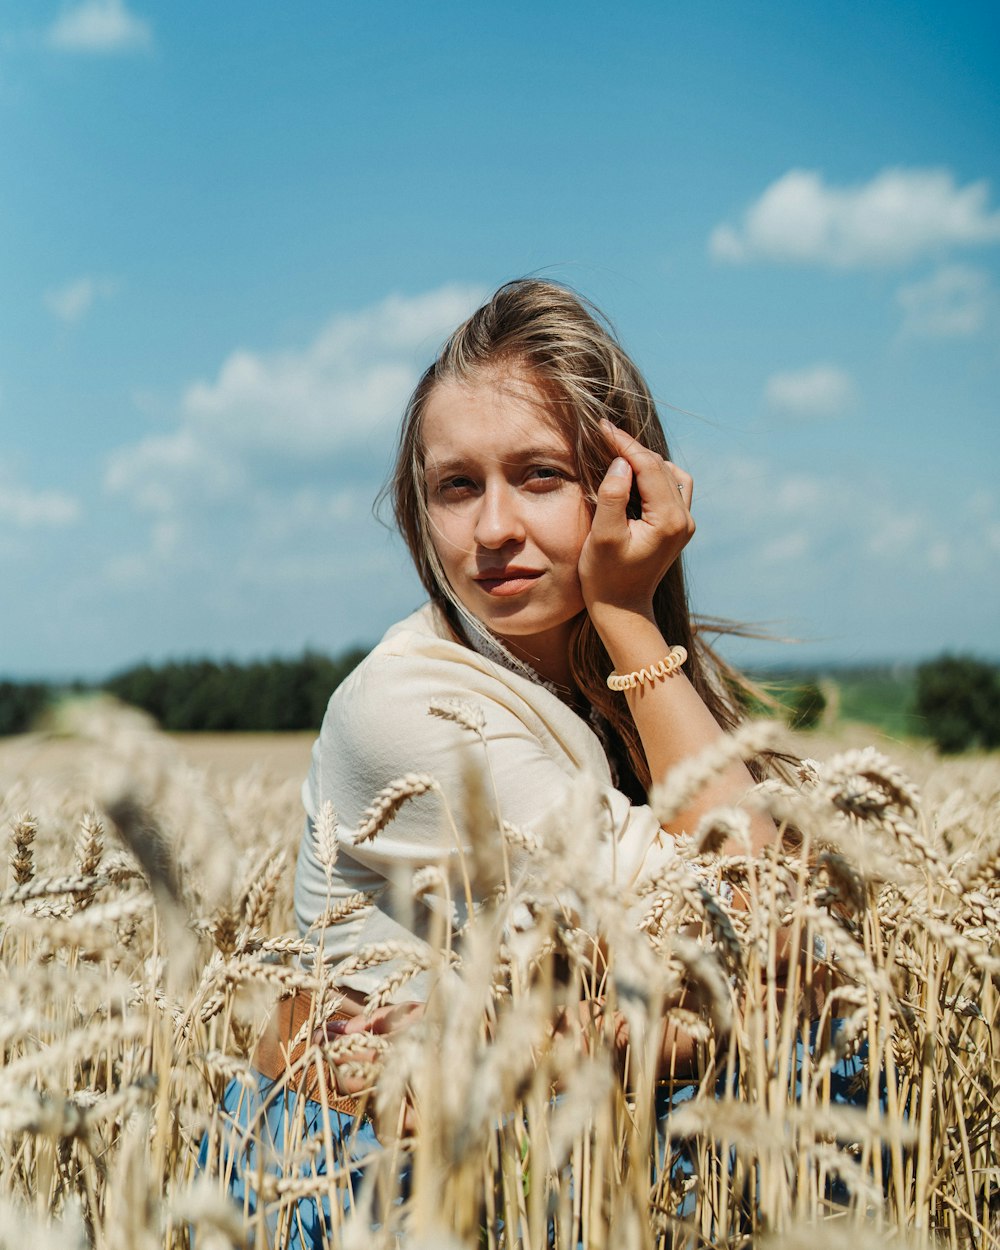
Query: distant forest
point(203, 695)
point(954, 700)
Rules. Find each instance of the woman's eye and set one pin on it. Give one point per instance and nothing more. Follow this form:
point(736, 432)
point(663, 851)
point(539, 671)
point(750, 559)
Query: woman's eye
point(456, 487)
point(545, 475)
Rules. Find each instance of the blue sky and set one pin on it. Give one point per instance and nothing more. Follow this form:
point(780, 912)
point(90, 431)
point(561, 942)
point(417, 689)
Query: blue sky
point(233, 233)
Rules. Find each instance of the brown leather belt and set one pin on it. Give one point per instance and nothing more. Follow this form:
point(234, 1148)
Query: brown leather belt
point(275, 1059)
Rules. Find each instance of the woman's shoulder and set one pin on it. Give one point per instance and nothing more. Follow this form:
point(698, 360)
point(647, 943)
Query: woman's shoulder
point(420, 643)
point(420, 660)
point(380, 710)
point(380, 719)
point(424, 632)
point(378, 724)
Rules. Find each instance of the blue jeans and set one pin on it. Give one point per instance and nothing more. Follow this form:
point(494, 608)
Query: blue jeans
point(256, 1126)
point(848, 1080)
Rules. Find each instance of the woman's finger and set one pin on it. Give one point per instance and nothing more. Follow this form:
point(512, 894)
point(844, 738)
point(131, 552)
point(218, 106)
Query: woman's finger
point(610, 523)
point(660, 482)
point(637, 454)
point(352, 1077)
point(684, 483)
point(382, 1020)
point(353, 1070)
point(390, 1018)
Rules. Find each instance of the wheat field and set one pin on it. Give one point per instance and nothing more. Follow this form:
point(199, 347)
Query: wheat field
point(147, 931)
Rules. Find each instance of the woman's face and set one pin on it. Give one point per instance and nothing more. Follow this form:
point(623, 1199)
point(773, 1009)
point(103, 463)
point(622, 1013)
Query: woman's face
point(507, 512)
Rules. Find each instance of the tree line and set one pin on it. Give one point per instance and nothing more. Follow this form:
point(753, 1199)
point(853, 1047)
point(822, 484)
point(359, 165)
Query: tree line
point(21, 704)
point(190, 696)
point(957, 698)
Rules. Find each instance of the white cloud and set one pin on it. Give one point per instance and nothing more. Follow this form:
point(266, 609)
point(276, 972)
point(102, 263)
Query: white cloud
point(162, 473)
point(779, 516)
point(954, 302)
point(939, 555)
point(100, 26)
point(266, 414)
point(893, 534)
point(784, 548)
point(804, 524)
point(73, 301)
point(849, 560)
point(817, 391)
point(353, 376)
point(900, 215)
point(247, 514)
point(24, 508)
point(796, 492)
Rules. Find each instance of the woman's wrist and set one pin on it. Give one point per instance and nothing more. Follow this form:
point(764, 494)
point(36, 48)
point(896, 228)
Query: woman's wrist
point(631, 636)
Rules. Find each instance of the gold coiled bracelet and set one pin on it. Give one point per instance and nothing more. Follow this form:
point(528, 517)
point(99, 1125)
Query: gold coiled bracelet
point(666, 667)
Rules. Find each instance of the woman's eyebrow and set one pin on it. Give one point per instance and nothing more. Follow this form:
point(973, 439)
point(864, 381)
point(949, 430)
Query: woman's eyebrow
point(525, 455)
point(444, 468)
point(544, 451)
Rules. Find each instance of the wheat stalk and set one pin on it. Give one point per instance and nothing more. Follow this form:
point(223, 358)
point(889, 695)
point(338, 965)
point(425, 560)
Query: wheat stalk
point(535, 1073)
point(388, 802)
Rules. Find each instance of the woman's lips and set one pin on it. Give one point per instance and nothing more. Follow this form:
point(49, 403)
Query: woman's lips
point(508, 582)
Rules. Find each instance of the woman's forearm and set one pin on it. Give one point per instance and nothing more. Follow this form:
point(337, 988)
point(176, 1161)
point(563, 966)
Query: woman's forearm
point(672, 720)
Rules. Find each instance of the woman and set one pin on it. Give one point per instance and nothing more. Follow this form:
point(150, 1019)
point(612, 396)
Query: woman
point(534, 489)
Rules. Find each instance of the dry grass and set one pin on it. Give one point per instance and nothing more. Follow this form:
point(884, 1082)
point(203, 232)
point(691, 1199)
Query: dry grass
point(146, 931)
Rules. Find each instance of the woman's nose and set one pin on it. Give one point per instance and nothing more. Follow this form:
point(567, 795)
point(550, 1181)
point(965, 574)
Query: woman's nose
point(499, 519)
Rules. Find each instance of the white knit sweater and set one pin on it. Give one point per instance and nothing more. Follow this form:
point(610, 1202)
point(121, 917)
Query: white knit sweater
point(544, 758)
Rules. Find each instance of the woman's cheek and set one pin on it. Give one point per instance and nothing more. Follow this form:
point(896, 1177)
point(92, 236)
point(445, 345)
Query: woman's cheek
point(449, 534)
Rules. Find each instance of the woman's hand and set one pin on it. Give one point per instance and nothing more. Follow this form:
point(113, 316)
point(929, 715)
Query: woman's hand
point(624, 559)
point(622, 562)
point(383, 1022)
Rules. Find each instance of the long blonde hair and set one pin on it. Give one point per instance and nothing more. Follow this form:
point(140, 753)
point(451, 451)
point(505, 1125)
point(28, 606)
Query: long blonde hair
point(567, 347)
